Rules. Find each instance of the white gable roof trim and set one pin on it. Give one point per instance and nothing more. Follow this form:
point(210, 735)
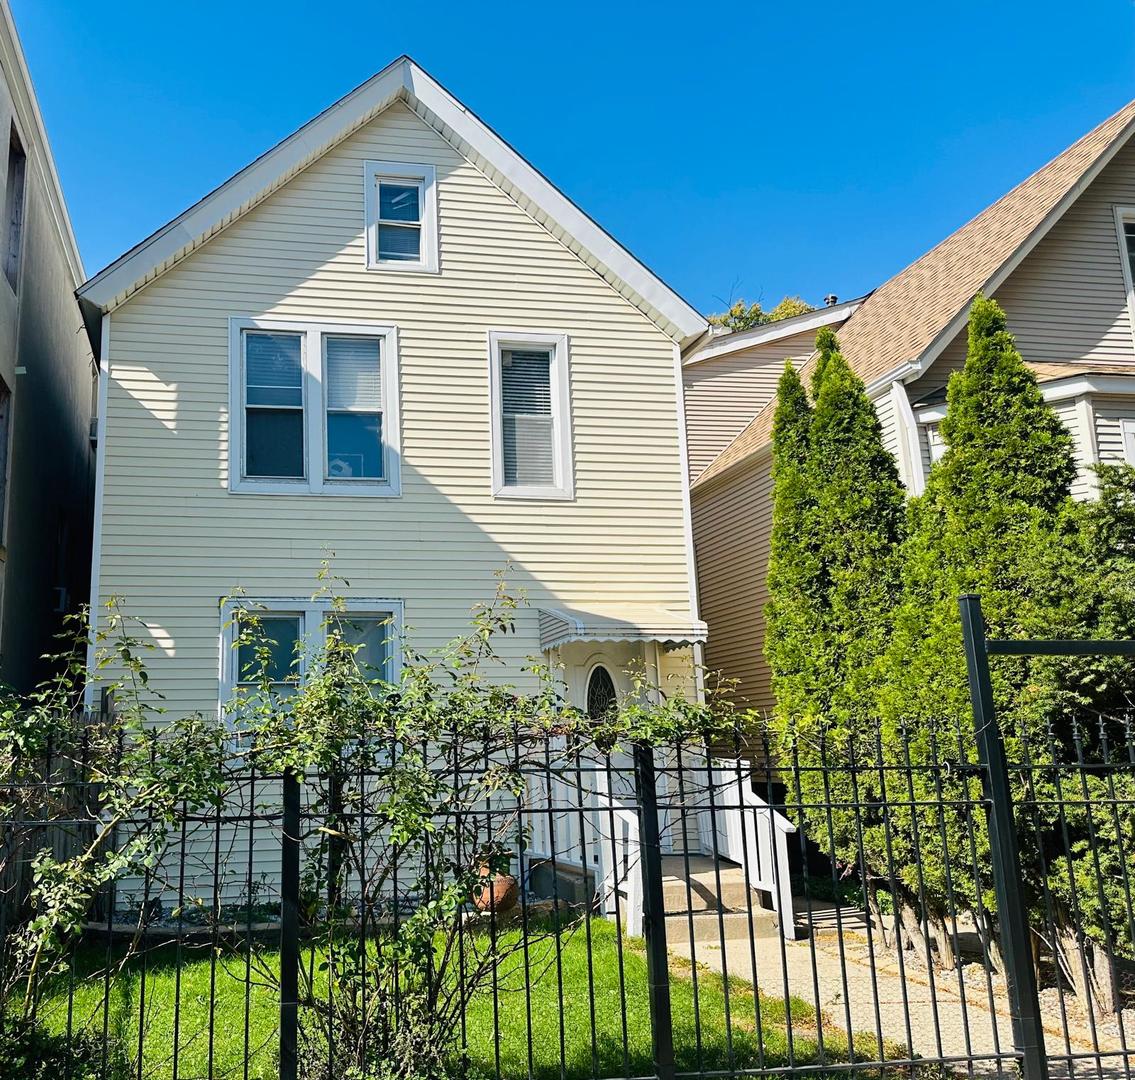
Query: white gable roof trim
point(402, 80)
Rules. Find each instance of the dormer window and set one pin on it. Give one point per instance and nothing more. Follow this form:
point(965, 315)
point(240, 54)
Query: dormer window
point(401, 216)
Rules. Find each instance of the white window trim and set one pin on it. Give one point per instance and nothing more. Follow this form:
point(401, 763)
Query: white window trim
point(1123, 215)
point(564, 486)
point(1127, 429)
point(425, 175)
point(315, 439)
point(313, 614)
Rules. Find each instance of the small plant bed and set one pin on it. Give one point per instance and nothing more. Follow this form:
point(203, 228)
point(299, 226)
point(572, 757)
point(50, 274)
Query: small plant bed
point(590, 1029)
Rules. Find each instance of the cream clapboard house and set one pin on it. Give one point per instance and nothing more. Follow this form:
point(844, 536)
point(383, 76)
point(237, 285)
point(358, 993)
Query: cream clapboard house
point(1057, 252)
point(391, 342)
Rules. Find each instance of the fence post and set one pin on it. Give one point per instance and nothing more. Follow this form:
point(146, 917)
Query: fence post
point(1012, 916)
point(654, 915)
point(289, 928)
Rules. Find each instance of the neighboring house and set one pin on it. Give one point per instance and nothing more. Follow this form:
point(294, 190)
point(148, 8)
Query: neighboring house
point(730, 377)
point(391, 342)
point(46, 388)
point(1058, 253)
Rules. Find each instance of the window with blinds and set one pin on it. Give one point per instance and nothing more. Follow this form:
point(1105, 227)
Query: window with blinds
point(527, 423)
point(353, 387)
point(531, 424)
point(314, 408)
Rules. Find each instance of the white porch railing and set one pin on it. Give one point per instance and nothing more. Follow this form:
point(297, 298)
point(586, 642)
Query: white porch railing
point(748, 831)
point(752, 833)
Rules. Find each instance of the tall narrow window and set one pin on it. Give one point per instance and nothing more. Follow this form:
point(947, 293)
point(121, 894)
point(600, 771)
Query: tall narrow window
point(527, 427)
point(353, 377)
point(531, 423)
point(268, 651)
point(14, 207)
point(401, 216)
point(1129, 238)
point(273, 401)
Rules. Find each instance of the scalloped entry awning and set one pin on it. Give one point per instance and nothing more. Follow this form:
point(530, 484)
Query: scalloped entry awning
point(629, 622)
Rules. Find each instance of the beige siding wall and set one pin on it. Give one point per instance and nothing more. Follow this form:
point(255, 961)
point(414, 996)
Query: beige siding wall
point(175, 541)
point(1067, 300)
point(732, 525)
point(1110, 412)
point(724, 393)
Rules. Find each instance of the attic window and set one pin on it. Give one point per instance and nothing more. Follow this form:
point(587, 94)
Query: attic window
point(401, 216)
point(1125, 230)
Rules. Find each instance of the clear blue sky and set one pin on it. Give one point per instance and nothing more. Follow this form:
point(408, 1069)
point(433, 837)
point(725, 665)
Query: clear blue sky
point(738, 149)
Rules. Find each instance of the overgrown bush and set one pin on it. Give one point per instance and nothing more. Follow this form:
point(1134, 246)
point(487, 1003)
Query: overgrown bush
point(417, 790)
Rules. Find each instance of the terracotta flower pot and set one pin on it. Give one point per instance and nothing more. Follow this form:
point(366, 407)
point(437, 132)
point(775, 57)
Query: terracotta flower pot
point(496, 892)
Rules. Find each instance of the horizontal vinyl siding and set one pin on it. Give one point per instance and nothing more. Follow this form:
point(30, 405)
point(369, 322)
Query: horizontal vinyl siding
point(724, 393)
point(1110, 412)
point(175, 541)
point(1067, 300)
point(885, 411)
point(732, 523)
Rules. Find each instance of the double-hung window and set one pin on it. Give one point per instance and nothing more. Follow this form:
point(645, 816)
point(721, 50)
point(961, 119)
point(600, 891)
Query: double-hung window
point(314, 408)
point(531, 421)
point(275, 641)
point(401, 216)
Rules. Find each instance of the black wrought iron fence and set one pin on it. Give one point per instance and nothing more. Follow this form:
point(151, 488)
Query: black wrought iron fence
point(885, 904)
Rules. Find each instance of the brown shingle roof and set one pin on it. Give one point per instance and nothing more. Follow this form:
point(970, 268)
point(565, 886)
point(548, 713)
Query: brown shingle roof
point(900, 320)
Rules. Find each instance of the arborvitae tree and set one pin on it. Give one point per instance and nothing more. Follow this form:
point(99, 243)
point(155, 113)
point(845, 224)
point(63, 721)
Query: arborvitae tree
point(794, 593)
point(992, 503)
point(1089, 583)
point(837, 523)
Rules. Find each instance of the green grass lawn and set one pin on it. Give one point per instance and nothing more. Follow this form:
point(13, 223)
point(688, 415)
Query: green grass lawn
point(245, 1018)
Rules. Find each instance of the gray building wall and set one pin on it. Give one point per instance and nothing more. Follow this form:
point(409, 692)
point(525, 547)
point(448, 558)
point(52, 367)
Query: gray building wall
point(46, 364)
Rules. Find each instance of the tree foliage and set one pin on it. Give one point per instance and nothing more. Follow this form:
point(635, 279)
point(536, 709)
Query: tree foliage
point(742, 316)
point(865, 647)
point(833, 576)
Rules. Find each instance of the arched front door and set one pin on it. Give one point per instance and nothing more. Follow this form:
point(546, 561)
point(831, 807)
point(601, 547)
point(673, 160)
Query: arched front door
point(600, 693)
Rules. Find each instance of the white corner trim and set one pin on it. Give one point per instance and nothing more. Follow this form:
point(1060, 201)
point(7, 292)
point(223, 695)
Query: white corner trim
point(100, 489)
point(684, 479)
point(426, 178)
point(315, 413)
point(557, 342)
point(910, 453)
point(1088, 443)
point(724, 344)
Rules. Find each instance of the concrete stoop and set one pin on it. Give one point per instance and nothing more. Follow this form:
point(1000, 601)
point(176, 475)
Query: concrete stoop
point(708, 900)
